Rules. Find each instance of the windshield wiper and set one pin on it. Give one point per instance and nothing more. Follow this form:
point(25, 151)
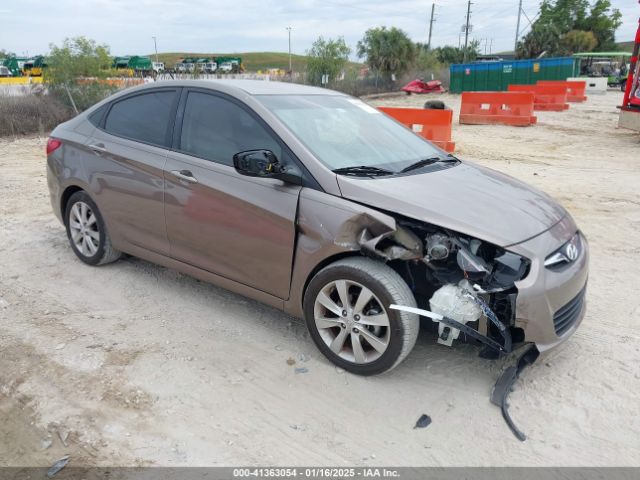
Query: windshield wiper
point(430, 161)
point(362, 170)
point(421, 163)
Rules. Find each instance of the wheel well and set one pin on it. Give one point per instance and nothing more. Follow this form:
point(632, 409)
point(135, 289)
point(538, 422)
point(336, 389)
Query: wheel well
point(66, 195)
point(324, 263)
point(400, 267)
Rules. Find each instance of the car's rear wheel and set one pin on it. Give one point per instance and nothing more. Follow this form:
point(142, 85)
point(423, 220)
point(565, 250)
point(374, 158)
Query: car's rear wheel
point(87, 232)
point(347, 312)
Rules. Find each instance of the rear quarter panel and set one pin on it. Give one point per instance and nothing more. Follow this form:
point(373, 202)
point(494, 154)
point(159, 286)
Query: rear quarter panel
point(66, 165)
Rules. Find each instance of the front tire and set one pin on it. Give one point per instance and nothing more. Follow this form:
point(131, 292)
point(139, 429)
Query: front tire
point(87, 232)
point(346, 308)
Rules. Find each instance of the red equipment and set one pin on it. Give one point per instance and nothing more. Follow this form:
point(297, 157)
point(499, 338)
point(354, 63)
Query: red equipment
point(630, 109)
point(420, 86)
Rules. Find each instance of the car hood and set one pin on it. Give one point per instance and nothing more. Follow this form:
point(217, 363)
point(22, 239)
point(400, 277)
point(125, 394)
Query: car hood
point(466, 198)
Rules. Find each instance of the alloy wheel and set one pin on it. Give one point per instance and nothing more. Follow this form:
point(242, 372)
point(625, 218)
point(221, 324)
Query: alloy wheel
point(352, 321)
point(83, 226)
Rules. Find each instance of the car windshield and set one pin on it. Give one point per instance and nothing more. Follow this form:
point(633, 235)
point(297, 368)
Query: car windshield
point(344, 132)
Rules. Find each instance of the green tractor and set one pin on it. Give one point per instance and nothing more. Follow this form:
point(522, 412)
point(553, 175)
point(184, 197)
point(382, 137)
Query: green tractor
point(34, 66)
point(15, 65)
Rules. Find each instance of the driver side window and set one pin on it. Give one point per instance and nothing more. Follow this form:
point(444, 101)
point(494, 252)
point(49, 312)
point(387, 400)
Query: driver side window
point(214, 128)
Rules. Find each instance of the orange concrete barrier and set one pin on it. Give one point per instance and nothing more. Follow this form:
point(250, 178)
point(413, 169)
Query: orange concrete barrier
point(547, 97)
point(434, 125)
point(505, 108)
point(119, 82)
point(575, 89)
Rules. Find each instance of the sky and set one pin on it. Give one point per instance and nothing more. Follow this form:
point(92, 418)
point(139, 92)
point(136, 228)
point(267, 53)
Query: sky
point(221, 26)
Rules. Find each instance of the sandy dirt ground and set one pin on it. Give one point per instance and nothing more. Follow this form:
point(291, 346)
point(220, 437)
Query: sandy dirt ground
point(134, 364)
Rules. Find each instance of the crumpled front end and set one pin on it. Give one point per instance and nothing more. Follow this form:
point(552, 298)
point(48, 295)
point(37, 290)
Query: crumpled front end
point(472, 289)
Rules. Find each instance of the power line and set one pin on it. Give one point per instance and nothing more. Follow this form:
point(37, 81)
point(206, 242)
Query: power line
point(529, 20)
point(487, 44)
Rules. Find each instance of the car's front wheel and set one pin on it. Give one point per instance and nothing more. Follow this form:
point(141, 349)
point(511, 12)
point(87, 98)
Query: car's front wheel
point(346, 307)
point(87, 232)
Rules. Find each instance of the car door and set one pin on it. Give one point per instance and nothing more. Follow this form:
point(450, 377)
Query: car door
point(238, 227)
point(130, 149)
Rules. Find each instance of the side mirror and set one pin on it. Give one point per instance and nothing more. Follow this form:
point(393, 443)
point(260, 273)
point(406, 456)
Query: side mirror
point(265, 164)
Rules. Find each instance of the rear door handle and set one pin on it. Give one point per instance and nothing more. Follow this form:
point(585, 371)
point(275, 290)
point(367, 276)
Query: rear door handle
point(185, 175)
point(98, 147)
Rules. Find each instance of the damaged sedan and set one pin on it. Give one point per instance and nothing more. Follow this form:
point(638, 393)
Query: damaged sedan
point(318, 204)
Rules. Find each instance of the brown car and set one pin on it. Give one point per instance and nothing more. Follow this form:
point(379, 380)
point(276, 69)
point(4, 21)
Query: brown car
point(318, 204)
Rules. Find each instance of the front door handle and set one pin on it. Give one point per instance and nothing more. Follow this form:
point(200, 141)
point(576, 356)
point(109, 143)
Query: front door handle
point(185, 175)
point(98, 148)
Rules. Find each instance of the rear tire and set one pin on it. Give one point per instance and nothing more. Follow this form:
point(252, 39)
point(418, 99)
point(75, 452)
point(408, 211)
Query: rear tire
point(87, 232)
point(364, 337)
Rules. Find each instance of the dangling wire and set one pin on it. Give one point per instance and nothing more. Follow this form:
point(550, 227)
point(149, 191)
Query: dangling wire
point(486, 310)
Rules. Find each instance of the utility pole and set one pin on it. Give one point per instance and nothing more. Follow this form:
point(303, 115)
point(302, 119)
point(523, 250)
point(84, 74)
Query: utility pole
point(155, 46)
point(290, 68)
point(433, 7)
point(515, 46)
point(466, 31)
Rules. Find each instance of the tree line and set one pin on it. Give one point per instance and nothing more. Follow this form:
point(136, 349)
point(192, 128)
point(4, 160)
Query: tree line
point(389, 53)
point(562, 27)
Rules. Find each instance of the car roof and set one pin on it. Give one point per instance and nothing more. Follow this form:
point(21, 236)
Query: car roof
point(251, 87)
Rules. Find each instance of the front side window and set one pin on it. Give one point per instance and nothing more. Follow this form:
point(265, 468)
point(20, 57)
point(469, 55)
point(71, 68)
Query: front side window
point(215, 128)
point(145, 117)
point(345, 132)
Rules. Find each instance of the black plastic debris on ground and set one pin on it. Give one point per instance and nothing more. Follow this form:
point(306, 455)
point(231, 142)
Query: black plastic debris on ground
point(423, 422)
point(59, 465)
point(504, 385)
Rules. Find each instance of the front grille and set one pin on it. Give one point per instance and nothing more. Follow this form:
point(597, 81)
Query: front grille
point(567, 315)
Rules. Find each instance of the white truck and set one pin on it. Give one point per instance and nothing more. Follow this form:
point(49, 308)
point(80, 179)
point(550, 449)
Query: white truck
point(226, 67)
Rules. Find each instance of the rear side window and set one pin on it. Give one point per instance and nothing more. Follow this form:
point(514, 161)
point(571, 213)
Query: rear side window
point(96, 117)
point(144, 117)
point(215, 128)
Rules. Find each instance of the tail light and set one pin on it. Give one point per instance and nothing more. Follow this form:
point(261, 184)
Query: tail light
point(52, 145)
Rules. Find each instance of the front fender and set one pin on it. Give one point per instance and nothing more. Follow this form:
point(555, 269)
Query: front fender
point(328, 226)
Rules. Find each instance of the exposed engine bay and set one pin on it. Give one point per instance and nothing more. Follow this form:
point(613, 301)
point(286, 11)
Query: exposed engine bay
point(466, 285)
